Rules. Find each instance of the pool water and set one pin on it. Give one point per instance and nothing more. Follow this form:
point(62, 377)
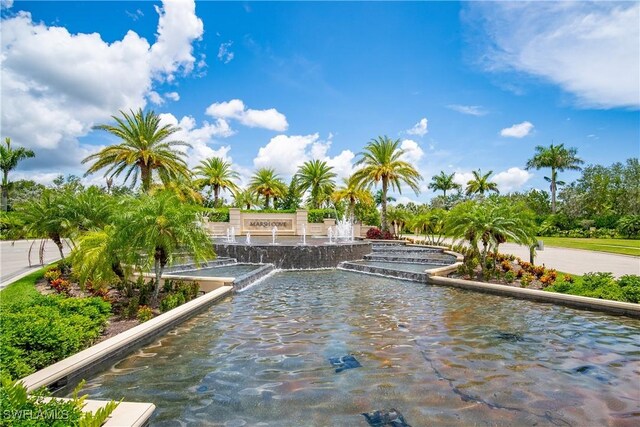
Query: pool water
point(232, 270)
point(440, 356)
point(400, 266)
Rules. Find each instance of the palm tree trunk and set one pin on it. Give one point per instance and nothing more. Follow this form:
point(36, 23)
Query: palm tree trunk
point(266, 201)
point(158, 271)
point(352, 209)
point(444, 192)
point(145, 175)
point(553, 190)
point(216, 194)
point(383, 203)
point(56, 239)
point(5, 191)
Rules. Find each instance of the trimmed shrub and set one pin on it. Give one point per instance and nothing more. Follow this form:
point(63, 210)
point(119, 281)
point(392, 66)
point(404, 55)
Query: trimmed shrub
point(46, 329)
point(375, 233)
point(144, 314)
point(630, 287)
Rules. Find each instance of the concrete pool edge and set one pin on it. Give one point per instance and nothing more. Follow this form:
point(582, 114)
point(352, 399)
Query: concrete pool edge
point(608, 306)
point(73, 368)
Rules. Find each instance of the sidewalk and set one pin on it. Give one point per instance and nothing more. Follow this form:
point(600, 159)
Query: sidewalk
point(14, 258)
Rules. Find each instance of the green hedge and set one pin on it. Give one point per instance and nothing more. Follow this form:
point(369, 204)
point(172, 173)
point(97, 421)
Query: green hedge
point(38, 332)
point(318, 215)
point(603, 286)
point(218, 215)
point(286, 211)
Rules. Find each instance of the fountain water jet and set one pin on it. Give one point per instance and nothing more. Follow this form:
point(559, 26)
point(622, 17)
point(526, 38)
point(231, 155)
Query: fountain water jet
point(274, 231)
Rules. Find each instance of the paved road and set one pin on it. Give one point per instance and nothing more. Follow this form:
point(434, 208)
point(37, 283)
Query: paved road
point(14, 260)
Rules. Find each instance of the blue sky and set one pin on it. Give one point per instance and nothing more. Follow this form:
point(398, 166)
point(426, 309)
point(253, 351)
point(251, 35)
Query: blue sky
point(463, 85)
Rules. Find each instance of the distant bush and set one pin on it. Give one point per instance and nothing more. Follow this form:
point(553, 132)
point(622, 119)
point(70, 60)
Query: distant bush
point(629, 226)
point(171, 301)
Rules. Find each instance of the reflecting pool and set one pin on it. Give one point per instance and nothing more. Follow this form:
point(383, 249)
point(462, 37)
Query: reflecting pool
point(440, 356)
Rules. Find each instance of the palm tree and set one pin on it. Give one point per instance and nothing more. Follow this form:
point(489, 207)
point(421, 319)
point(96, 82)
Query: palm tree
point(143, 150)
point(217, 174)
point(558, 158)
point(245, 199)
point(160, 226)
point(377, 198)
point(480, 184)
point(487, 224)
point(185, 189)
point(268, 184)
point(443, 182)
point(316, 176)
point(9, 159)
point(398, 218)
point(353, 192)
point(381, 163)
point(47, 217)
point(99, 256)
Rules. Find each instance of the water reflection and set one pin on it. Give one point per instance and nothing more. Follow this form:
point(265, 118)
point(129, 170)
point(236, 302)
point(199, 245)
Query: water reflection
point(440, 356)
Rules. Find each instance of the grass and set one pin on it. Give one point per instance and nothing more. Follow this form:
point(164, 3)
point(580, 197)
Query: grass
point(616, 246)
point(23, 289)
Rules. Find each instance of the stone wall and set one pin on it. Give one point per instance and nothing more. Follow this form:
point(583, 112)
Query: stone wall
point(260, 224)
point(295, 256)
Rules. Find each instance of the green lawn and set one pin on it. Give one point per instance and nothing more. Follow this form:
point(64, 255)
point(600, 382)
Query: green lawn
point(616, 246)
point(22, 289)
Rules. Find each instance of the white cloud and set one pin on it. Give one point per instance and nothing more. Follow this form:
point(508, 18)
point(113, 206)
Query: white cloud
point(589, 49)
point(512, 179)
point(174, 96)
point(419, 128)
point(519, 130)
point(178, 27)
point(155, 98)
point(200, 137)
point(412, 151)
point(235, 109)
point(473, 110)
point(462, 178)
point(509, 180)
point(286, 153)
point(48, 104)
point(6, 4)
point(224, 52)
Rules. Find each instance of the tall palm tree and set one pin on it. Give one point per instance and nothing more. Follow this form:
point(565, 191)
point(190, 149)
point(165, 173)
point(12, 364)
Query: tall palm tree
point(480, 184)
point(317, 177)
point(9, 159)
point(217, 174)
point(381, 163)
point(245, 199)
point(268, 184)
point(145, 148)
point(558, 158)
point(160, 226)
point(354, 192)
point(443, 182)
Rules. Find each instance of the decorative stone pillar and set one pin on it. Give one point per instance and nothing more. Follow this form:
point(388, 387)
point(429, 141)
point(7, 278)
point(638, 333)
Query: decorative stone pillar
point(235, 220)
point(302, 220)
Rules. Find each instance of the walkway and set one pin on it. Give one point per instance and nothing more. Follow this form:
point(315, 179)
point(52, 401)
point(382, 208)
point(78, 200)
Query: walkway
point(14, 259)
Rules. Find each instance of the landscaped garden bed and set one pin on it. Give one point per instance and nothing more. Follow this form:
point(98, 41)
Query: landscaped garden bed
point(51, 316)
point(510, 270)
